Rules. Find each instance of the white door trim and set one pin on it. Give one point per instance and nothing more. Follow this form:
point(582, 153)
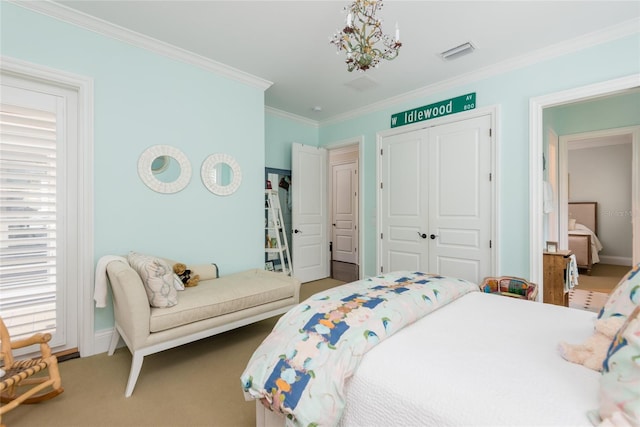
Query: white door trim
point(84, 88)
point(536, 135)
point(359, 141)
point(494, 112)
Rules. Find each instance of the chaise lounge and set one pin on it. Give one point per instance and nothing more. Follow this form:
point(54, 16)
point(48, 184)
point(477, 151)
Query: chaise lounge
point(217, 304)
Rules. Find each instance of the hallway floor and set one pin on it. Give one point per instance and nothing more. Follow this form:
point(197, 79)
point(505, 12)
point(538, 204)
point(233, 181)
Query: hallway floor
point(344, 271)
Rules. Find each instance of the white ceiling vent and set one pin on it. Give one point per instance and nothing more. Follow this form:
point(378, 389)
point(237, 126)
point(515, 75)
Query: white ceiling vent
point(458, 51)
point(362, 83)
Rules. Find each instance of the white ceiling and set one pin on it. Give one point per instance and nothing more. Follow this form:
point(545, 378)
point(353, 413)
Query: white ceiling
point(287, 42)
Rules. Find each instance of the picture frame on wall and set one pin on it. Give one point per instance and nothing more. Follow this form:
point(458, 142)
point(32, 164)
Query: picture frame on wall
point(552, 247)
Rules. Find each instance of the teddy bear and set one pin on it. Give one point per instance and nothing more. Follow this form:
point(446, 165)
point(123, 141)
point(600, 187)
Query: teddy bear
point(594, 350)
point(185, 275)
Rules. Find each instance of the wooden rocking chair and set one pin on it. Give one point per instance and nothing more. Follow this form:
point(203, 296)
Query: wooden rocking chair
point(20, 384)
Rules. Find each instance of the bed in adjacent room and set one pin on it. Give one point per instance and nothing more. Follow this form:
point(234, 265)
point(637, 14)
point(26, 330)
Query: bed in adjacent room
point(468, 358)
point(583, 238)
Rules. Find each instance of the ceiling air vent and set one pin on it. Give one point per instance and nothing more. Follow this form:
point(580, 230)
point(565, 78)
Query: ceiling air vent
point(458, 51)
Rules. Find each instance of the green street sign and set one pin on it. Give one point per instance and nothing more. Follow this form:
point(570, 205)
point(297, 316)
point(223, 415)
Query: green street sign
point(438, 109)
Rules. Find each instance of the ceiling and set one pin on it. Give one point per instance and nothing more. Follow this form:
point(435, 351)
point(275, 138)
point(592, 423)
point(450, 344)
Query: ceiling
point(287, 42)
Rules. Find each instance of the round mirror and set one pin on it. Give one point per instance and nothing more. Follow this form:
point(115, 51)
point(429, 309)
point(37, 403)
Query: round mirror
point(164, 169)
point(221, 174)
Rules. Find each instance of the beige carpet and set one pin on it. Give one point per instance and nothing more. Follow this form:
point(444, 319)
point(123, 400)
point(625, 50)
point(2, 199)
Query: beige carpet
point(603, 278)
point(197, 384)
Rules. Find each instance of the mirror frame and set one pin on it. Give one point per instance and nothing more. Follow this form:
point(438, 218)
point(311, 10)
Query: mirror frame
point(146, 174)
point(209, 165)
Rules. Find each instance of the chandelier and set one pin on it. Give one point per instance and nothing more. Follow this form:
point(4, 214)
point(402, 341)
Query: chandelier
point(362, 38)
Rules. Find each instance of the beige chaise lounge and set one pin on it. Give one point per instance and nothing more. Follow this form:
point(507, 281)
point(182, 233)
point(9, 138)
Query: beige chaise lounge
point(216, 305)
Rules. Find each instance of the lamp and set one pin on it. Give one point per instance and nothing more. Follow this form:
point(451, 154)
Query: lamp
point(362, 38)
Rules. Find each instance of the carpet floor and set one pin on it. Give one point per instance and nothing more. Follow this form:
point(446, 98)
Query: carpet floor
point(603, 278)
point(197, 384)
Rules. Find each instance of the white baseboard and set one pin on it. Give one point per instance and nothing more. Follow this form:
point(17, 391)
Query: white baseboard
point(616, 260)
point(101, 341)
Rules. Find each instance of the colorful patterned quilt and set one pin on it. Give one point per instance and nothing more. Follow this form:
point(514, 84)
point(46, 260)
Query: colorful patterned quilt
point(300, 369)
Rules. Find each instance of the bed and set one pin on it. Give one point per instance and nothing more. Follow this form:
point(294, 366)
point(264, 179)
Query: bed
point(478, 359)
point(583, 228)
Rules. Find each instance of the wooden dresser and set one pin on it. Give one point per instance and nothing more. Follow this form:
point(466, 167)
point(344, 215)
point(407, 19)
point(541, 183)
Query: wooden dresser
point(554, 277)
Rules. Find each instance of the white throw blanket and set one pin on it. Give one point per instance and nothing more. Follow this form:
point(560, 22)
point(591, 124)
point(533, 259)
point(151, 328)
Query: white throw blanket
point(572, 274)
point(100, 285)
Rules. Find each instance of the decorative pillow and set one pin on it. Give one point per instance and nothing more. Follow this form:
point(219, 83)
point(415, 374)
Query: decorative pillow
point(620, 381)
point(572, 224)
point(158, 279)
point(625, 297)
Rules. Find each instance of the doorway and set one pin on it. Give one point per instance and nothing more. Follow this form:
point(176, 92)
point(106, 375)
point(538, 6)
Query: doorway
point(344, 208)
point(280, 181)
point(538, 104)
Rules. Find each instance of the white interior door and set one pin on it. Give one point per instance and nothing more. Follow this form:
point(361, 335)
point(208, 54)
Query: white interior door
point(436, 200)
point(345, 216)
point(460, 199)
point(403, 202)
point(552, 167)
point(309, 212)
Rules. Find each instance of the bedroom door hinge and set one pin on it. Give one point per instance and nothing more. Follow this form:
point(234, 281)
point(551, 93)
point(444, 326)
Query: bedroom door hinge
point(381, 151)
point(381, 186)
point(490, 176)
point(381, 269)
point(490, 244)
point(381, 236)
point(490, 132)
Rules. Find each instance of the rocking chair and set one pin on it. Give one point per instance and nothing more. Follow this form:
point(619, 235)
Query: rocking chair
point(21, 374)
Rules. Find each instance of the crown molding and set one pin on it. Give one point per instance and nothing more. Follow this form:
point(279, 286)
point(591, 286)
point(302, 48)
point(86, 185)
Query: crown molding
point(605, 35)
point(66, 14)
point(285, 115)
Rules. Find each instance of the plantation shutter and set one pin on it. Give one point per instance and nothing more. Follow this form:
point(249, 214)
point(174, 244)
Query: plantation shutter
point(29, 217)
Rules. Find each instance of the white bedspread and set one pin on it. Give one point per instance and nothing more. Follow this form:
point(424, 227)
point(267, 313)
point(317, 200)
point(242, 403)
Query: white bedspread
point(496, 363)
point(596, 246)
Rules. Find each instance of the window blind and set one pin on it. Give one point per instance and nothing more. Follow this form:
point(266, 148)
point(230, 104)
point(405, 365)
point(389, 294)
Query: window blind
point(28, 220)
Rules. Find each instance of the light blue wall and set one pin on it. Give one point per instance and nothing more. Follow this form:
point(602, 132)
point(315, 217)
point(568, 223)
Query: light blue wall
point(511, 91)
point(143, 99)
point(280, 133)
point(605, 113)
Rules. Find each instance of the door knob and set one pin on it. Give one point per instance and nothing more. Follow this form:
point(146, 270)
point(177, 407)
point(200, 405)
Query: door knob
point(297, 231)
point(423, 235)
point(433, 236)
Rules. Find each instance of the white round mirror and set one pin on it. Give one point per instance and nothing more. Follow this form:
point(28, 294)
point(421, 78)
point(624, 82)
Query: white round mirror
point(164, 169)
point(221, 174)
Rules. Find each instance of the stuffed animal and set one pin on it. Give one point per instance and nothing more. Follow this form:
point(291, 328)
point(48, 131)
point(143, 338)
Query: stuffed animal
point(185, 275)
point(594, 350)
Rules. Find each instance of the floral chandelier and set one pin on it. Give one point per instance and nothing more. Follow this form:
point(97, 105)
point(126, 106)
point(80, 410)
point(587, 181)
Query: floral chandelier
point(362, 38)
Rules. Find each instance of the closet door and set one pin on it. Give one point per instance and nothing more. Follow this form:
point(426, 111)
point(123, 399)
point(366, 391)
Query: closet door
point(403, 198)
point(436, 202)
point(460, 199)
